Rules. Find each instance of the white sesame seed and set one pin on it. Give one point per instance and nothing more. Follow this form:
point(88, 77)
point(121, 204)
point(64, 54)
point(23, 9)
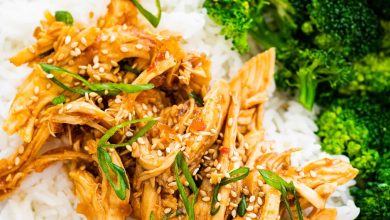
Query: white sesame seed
point(230, 122)
point(233, 194)
point(17, 161)
point(49, 76)
point(219, 197)
point(247, 218)
point(104, 51)
point(234, 213)
point(251, 215)
point(36, 90)
point(77, 51)
point(313, 174)
point(232, 204)
point(101, 69)
point(104, 37)
point(84, 41)
point(139, 46)
point(259, 201)
point(202, 193)
point(68, 107)
point(205, 199)
point(167, 55)
point(129, 134)
point(159, 153)
point(124, 49)
point(249, 208)
point(172, 184)
point(129, 148)
point(61, 56)
point(50, 60)
point(261, 194)
point(113, 63)
point(95, 59)
point(245, 191)
point(167, 210)
point(74, 44)
point(252, 198)
point(73, 53)
point(112, 38)
point(67, 39)
point(140, 140)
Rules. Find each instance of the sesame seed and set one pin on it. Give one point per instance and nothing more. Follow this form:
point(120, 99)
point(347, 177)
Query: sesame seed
point(124, 49)
point(233, 204)
point(213, 131)
point(167, 55)
point(83, 41)
point(129, 148)
point(159, 190)
point(259, 201)
point(205, 199)
point(261, 194)
point(172, 184)
point(68, 107)
point(140, 140)
point(139, 46)
point(74, 44)
point(50, 60)
point(233, 194)
point(67, 39)
point(129, 134)
point(245, 191)
point(159, 153)
point(219, 197)
point(167, 210)
point(112, 38)
point(113, 63)
point(36, 90)
point(202, 193)
point(251, 215)
point(73, 53)
point(95, 66)
point(101, 69)
point(104, 51)
point(49, 76)
point(252, 199)
point(234, 213)
point(312, 173)
point(60, 57)
point(77, 51)
point(93, 94)
point(95, 59)
point(230, 122)
point(104, 37)
point(124, 27)
point(17, 161)
point(260, 183)
point(249, 208)
point(247, 218)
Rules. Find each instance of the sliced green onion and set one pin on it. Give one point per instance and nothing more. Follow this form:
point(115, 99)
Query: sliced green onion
point(241, 208)
point(106, 164)
point(100, 88)
point(64, 16)
point(103, 142)
point(281, 185)
point(142, 131)
point(197, 98)
point(154, 20)
point(58, 100)
point(151, 216)
point(235, 175)
point(108, 167)
point(181, 163)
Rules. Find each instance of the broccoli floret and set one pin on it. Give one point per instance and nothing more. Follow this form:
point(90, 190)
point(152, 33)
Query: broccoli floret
point(311, 68)
point(349, 26)
point(235, 18)
point(373, 197)
point(372, 75)
point(356, 127)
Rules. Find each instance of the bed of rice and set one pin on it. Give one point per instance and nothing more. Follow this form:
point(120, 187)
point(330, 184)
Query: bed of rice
point(48, 195)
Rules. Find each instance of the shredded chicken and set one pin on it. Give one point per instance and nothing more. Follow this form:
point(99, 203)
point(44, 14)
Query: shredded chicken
point(220, 135)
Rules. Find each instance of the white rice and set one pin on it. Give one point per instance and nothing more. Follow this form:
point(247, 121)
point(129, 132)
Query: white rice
point(48, 195)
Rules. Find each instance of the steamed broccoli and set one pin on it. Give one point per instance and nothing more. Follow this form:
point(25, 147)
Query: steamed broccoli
point(357, 127)
point(372, 75)
point(235, 17)
point(350, 27)
point(373, 197)
point(306, 69)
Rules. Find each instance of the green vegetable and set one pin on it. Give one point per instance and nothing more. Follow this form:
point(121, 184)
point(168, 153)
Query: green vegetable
point(197, 98)
point(180, 163)
point(154, 20)
point(100, 88)
point(357, 127)
point(280, 184)
point(64, 16)
point(235, 175)
point(151, 216)
point(58, 100)
point(106, 164)
point(241, 208)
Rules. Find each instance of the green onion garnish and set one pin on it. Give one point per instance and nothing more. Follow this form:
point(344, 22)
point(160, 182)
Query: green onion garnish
point(241, 208)
point(106, 164)
point(235, 175)
point(64, 16)
point(100, 88)
point(197, 98)
point(280, 184)
point(151, 216)
point(154, 20)
point(58, 100)
point(181, 163)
